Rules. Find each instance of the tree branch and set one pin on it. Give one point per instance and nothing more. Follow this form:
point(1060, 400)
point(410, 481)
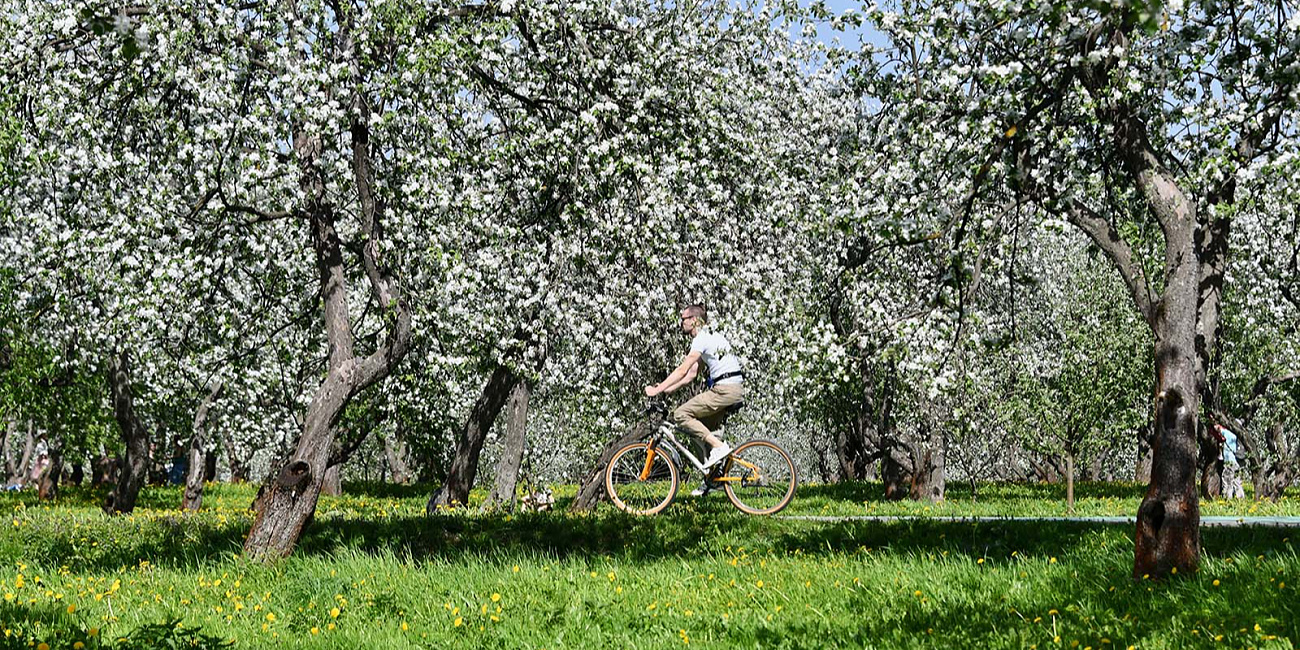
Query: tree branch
point(1104, 235)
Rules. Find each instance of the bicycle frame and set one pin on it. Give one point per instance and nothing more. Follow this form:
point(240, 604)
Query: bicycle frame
point(667, 431)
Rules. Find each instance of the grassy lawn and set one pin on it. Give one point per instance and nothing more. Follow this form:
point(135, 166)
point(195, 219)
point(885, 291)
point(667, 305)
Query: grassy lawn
point(373, 571)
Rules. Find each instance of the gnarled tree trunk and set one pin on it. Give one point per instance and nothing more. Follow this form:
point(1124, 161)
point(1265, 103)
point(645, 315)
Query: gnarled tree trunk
point(135, 437)
point(469, 444)
point(290, 501)
point(197, 467)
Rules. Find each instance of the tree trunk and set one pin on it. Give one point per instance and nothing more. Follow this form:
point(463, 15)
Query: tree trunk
point(859, 445)
point(1271, 472)
point(332, 486)
point(1094, 468)
point(896, 470)
point(503, 493)
point(78, 474)
point(103, 469)
point(929, 482)
point(23, 470)
point(289, 503)
point(196, 468)
point(1210, 463)
point(395, 453)
point(592, 488)
point(1184, 319)
point(856, 451)
point(469, 444)
point(1142, 472)
point(134, 436)
point(239, 467)
point(1069, 482)
point(11, 427)
point(1168, 535)
point(47, 486)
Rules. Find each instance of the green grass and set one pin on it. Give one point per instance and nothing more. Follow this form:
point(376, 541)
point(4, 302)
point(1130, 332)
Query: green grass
point(701, 573)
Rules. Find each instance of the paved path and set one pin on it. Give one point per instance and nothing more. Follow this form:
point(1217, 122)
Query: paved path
point(1224, 522)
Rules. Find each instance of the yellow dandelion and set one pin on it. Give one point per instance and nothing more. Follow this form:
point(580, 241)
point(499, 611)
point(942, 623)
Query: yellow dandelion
point(458, 622)
point(72, 608)
point(496, 598)
point(334, 612)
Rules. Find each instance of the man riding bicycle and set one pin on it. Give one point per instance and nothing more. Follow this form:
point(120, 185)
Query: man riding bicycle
point(724, 381)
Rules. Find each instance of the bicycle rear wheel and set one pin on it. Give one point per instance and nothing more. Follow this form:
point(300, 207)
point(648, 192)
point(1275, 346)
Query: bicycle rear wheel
point(759, 478)
point(640, 480)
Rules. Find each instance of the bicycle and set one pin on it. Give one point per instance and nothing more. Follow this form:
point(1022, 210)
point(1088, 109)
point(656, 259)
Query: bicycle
point(642, 477)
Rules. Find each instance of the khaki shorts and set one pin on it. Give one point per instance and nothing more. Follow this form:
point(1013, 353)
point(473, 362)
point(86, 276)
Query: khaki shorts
point(702, 413)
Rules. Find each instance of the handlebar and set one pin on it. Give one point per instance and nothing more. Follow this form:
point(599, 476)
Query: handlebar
point(657, 406)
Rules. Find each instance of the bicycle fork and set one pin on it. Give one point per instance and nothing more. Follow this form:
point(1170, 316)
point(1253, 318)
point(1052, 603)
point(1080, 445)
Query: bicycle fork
point(649, 462)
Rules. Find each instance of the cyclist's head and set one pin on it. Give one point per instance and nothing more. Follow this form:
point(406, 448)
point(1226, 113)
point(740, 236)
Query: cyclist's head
point(694, 317)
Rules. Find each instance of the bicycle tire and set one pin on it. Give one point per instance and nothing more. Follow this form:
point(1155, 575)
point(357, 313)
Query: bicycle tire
point(767, 470)
point(624, 471)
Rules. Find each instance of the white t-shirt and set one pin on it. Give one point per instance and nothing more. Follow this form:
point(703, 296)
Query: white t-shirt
point(716, 353)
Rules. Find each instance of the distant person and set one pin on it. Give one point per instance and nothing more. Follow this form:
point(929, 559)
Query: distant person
point(1231, 480)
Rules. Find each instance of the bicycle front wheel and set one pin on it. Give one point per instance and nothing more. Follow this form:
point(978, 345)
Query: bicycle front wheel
point(759, 478)
point(641, 480)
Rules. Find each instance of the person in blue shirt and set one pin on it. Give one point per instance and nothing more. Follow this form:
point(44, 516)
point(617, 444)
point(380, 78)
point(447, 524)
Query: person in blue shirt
point(1231, 480)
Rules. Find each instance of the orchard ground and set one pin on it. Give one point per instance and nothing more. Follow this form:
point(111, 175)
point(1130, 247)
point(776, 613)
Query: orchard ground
point(374, 571)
